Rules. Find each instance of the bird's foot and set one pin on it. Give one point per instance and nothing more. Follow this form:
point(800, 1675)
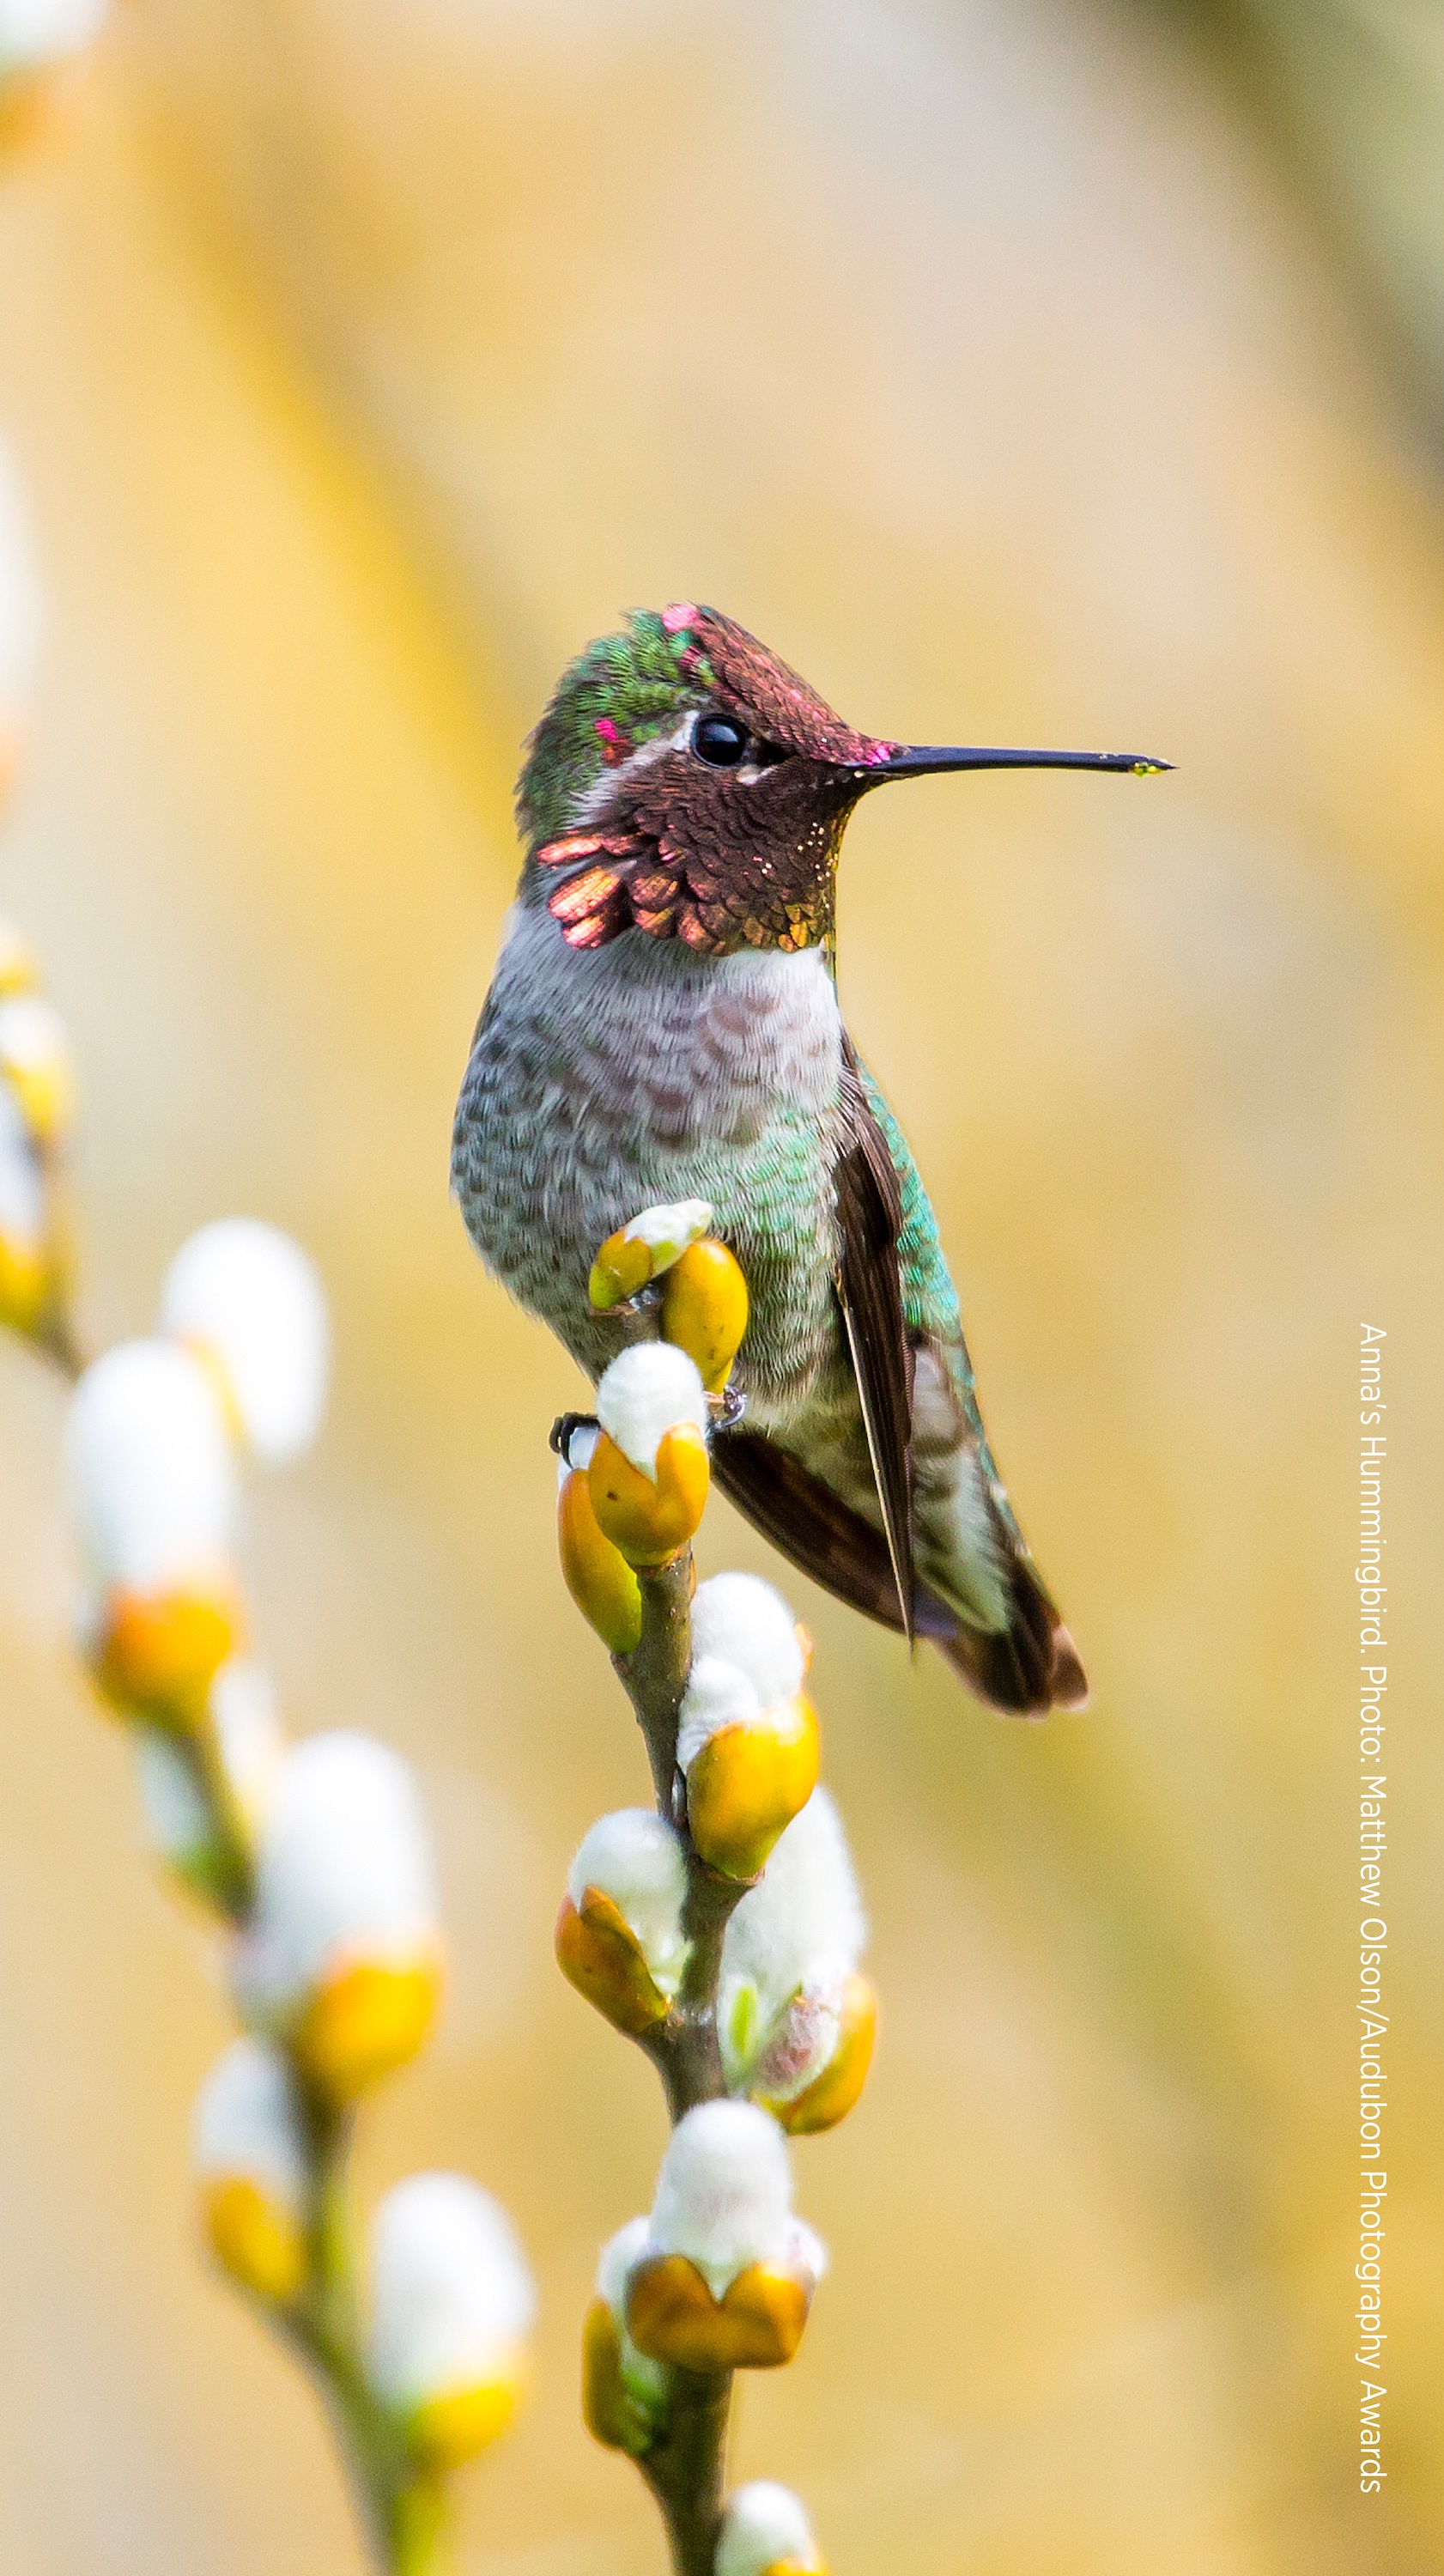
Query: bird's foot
point(564, 1429)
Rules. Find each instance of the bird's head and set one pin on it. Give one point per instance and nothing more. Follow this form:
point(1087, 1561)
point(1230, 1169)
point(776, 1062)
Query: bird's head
point(685, 783)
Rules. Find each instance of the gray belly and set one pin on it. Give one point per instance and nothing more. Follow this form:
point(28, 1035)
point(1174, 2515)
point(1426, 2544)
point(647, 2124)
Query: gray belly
point(606, 1082)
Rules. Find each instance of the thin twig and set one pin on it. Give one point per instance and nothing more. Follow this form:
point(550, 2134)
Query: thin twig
point(685, 2469)
point(402, 2511)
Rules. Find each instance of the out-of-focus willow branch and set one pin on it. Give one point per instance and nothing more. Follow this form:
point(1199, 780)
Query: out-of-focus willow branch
point(314, 1858)
point(722, 1931)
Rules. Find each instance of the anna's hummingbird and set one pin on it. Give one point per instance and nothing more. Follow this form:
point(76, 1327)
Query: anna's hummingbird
point(664, 1024)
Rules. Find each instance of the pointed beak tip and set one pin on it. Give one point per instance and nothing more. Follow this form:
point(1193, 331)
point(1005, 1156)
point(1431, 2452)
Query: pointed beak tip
point(928, 760)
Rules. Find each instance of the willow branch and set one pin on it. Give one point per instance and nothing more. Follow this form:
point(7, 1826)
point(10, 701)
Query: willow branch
point(402, 2510)
point(685, 2469)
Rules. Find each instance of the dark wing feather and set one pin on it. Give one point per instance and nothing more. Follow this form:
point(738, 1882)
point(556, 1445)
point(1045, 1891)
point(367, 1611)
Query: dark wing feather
point(869, 1291)
point(818, 1532)
point(1024, 1668)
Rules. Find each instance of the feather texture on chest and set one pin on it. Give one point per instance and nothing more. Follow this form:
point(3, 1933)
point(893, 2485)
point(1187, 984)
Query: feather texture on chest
point(599, 1084)
point(663, 1044)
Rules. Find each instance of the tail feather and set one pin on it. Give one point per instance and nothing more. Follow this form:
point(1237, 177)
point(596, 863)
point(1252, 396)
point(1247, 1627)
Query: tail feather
point(1025, 1667)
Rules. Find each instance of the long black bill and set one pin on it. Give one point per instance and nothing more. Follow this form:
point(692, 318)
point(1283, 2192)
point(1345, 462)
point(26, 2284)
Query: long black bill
point(924, 760)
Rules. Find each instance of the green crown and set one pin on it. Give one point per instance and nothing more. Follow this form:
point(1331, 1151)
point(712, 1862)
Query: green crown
point(620, 692)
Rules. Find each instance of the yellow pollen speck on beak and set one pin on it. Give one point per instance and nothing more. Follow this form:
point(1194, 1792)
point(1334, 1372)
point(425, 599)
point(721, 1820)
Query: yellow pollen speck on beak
point(596, 1573)
point(371, 2017)
point(445, 2431)
point(648, 1518)
point(832, 2094)
point(157, 1654)
point(673, 2317)
point(748, 1782)
point(254, 2238)
point(704, 1310)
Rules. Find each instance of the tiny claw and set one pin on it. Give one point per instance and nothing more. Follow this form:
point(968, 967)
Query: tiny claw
point(727, 1407)
point(559, 1438)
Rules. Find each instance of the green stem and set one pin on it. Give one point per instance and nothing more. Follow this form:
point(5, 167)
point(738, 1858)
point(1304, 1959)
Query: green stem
point(402, 2507)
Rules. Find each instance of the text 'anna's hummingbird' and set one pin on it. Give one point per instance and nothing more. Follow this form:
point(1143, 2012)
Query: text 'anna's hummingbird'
point(663, 1024)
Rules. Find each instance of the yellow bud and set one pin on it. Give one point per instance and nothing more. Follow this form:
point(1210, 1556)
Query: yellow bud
point(157, 1654)
point(620, 1269)
point(446, 2430)
point(748, 1782)
point(597, 1575)
point(24, 1285)
point(599, 1954)
point(643, 1248)
point(607, 2411)
point(257, 2240)
point(704, 1310)
point(46, 1096)
point(648, 1518)
point(35, 1061)
point(831, 2095)
point(369, 2018)
point(673, 2317)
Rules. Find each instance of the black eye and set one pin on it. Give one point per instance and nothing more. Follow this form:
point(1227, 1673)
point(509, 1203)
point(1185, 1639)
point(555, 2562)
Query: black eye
point(719, 741)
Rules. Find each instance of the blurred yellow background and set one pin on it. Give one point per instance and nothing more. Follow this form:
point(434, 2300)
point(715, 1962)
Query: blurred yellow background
point(362, 361)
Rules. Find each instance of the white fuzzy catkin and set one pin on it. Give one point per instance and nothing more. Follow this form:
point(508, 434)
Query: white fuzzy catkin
point(741, 1620)
point(152, 1478)
point(668, 1231)
point(648, 1391)
point(648, 2381)
point(638, 1861)
point(718, 1694)
point(764, 2526)
point(451, 2293)
point(251, 1745)
point(724, 2196)
point(618, 2259)
point(34, 33)
point(247, 1719)
point(788, 1952)
point(255, 1300)
point(33, 1040)
point(247, 2124)
point(803, 1924)
point(344, 1871)
point(22, 1192)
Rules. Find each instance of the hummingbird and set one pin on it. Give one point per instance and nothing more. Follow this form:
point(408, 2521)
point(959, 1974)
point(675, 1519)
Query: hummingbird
point(663, 1024)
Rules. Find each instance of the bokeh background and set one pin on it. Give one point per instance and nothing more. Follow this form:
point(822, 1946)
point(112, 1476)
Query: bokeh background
point(1063, 370)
